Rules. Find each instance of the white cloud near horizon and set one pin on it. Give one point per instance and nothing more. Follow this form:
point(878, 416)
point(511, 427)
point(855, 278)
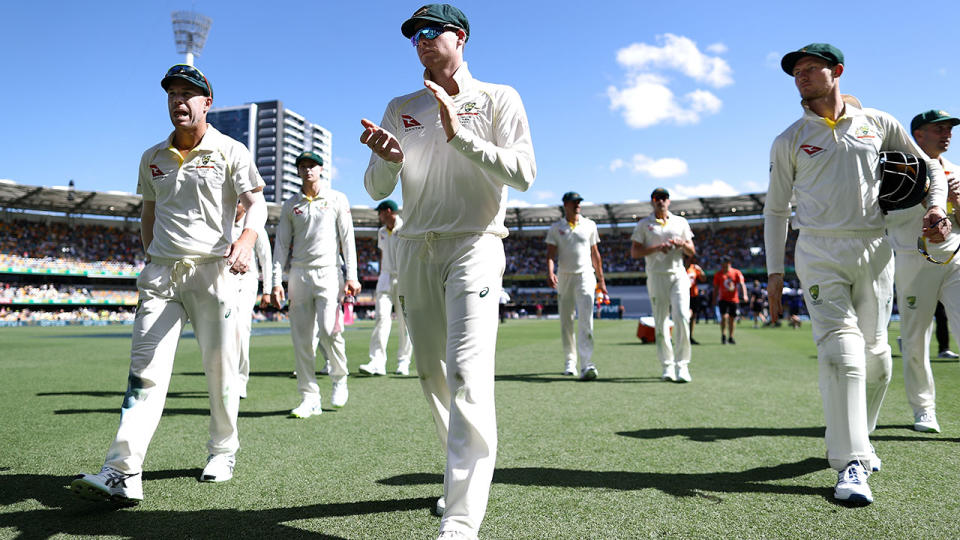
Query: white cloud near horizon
point(656, 168)
point(646, 98)
point(716, 188)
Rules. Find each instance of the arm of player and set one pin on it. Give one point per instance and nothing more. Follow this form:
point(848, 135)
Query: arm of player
point(348, 247)
point(509, 157)
point(386, 158)
point(262, 251)
point(598, 268)
point(551, 274)
point(148, 217)
point(638, 250)
point(239, 253)
point(281, 253)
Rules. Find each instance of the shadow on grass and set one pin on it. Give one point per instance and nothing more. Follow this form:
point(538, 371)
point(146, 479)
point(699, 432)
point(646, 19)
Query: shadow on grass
point(104, 393)
point(64, 514)
point(676, 484)
point(171, 411)
point(549, 378)
point(711, 434)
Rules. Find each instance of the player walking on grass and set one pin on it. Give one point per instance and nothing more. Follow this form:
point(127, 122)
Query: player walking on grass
point(190, 185)
point(728, 283)
point(315, 228)
point(922, 283)
point(828, 160)
point(261, 264)
point(572, 242)
point(662, 239)
point(455, 147)
point(387, 298)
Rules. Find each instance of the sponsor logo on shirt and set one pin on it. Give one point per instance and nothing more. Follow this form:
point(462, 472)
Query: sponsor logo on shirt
point(410, 123)
point(810, 149)
point(485, 291)
point(155, 171)
point(297, 211)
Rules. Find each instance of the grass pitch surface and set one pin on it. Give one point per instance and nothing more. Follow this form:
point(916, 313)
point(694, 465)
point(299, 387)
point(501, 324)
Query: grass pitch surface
point(736, 453)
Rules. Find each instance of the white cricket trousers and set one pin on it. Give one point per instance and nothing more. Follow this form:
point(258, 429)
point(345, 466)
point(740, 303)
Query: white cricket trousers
point(171, 292)
point(575, 292)
point(385, 302)
point(848, 289)
point(670, 296)
point(450, 294)
point(315, 317)
point(920, 284)
point(248, 299)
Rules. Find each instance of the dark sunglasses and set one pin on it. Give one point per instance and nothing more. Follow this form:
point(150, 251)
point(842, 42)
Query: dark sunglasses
point(430, 32)
point(922, 248)
point(190, 72)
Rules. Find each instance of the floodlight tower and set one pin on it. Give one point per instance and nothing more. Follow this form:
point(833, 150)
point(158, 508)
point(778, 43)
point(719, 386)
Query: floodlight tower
point(190, 33)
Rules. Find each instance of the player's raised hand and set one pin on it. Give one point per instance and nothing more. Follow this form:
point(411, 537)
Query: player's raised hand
point(381, 141)
point(774, 295)
point(448, 114)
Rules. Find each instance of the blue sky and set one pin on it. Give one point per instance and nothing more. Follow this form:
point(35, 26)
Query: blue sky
point(622, 97)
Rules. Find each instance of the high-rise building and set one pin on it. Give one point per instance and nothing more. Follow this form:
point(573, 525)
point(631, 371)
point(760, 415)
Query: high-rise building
point(275, 137)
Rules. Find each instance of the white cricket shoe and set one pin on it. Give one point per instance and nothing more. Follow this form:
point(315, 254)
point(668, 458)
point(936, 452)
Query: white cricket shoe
point(875, 462)
point(455, 535)
point(306, 409)
point(948, 354)
point(109, 485)
point(440, 507)
point(369, 369)
point(219, 468)
point(403, 368)
point(570, 369)
point(325, 370)
point(926, 422)
point(669, 374)
point(589, 373)
point(683, 374)
point(338, 398)
point(852, 485)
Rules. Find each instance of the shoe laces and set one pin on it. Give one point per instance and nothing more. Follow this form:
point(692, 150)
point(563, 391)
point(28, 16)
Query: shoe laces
point(925, 417)
point(854, 473)
point(115, 478)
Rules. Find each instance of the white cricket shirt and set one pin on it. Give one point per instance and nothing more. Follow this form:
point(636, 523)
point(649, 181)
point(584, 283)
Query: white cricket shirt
point(574, 245)
point(386, 243)
point(196, 197)
point(319, 229)
point(651, 231)
point(459, 186)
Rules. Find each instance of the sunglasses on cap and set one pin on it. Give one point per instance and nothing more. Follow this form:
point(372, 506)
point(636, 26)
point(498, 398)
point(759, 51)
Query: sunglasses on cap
point(430, 32)
point(192, 74)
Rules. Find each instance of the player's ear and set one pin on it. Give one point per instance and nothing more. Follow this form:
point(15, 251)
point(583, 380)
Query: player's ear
point(838, 70)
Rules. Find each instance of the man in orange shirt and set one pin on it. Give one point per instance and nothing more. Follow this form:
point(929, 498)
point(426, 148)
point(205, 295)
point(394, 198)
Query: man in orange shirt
point(696, 275)
point(725, 284)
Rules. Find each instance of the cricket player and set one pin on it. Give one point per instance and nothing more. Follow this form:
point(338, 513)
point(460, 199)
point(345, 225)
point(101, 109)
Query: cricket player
point(315, 227)
point(828, 161)
point(662, 239)
point(190, 185)
point(455, 147)
point(922, 283)
point(572, 243)
point(728, 284)
point(261, 264)
point(387, 298)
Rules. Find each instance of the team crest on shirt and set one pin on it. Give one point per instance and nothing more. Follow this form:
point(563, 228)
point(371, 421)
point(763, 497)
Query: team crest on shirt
point(814, 291)
point(864, 132)
point(912, 302)
point(810, 149)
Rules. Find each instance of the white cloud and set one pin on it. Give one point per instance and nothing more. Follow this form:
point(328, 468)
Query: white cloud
point(657, 168)
point(716, 48)
point(517, 203)
point(717, 188)
point(773, 59)
point(646, 98)
point(545, 195)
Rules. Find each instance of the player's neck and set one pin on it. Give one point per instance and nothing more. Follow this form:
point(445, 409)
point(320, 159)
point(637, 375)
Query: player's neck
point(442, 74)
point(830, 106)
point(186, 139)
point(660, 215)
point(310, 189)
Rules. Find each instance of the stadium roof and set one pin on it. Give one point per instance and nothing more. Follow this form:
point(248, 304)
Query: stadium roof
point(65, 200)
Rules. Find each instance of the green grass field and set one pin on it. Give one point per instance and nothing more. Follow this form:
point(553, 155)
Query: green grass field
point(736, 453)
